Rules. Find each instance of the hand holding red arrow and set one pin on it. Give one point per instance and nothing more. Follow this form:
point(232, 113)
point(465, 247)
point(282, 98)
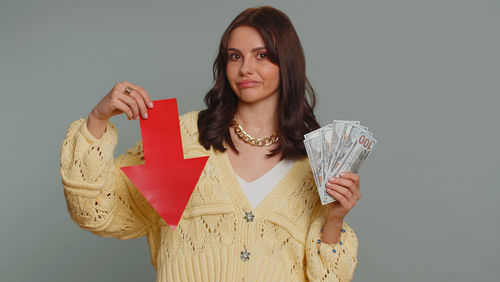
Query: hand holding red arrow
point(166, 180)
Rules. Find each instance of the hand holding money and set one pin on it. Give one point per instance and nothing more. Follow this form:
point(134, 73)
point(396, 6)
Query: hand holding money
point(345, 189)
point(341, 146)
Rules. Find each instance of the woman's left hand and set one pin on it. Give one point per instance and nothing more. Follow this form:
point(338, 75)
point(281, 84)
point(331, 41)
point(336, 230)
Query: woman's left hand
point(345, 189)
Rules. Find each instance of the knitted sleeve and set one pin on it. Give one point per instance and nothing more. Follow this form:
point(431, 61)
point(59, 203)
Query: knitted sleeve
point(330, 262)
point(99, 196)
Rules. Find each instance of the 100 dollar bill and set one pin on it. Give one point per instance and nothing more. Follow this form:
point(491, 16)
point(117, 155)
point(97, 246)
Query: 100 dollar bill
point(355, 156)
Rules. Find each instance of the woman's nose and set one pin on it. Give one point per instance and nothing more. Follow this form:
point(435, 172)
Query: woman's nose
point(247, 67)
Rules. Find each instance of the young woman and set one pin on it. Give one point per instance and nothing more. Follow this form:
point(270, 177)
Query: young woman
point(255, 214)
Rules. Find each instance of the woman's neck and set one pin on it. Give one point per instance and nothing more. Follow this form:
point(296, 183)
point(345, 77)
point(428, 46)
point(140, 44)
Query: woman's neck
point(257, 119)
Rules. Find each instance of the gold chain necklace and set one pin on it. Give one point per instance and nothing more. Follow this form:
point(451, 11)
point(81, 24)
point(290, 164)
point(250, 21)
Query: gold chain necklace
point(254, 141)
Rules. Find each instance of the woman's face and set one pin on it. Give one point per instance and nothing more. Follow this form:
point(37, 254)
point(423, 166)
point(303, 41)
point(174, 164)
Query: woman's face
point(250, 73)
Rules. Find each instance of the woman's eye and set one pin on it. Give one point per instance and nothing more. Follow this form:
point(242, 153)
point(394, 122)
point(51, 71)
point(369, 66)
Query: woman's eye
point(234, 56)
point(262, 55)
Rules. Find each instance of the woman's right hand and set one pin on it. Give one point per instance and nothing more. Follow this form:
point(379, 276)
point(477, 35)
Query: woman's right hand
point(117, 102)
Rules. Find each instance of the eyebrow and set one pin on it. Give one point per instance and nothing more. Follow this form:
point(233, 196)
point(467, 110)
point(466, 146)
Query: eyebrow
point(253, 50)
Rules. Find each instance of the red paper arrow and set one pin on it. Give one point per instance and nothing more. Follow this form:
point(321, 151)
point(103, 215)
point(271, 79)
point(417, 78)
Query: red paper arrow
point(166, 180)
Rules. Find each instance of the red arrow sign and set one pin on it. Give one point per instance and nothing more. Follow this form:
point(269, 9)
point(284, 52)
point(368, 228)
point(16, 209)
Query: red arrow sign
point(166, 180)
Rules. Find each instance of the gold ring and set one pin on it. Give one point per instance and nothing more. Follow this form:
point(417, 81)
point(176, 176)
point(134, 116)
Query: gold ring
point(128, 90)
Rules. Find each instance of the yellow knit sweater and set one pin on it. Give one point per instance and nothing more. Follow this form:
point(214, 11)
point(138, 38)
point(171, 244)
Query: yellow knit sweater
point(214, 241)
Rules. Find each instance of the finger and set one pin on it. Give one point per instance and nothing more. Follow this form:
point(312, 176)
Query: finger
point(350, 175)
point(120, 105)
point(127, 98)
point(341, 198)
point(144, 94)
point(354, 187)
point(353, 177)
point(343, 182)
point(131, 102)
point(342, 190)
point(140, 103)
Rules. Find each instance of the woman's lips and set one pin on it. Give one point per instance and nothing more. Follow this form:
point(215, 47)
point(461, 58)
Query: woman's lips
point(248, 83)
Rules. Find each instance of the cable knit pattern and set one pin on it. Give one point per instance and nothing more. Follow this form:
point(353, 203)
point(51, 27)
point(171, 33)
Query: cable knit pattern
point(210, 241)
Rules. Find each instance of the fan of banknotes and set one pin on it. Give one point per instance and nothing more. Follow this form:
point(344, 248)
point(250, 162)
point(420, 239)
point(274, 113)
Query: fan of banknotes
point(337, 147)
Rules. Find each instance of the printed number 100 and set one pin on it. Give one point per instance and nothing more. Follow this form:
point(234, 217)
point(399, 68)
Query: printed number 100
point(365, 141)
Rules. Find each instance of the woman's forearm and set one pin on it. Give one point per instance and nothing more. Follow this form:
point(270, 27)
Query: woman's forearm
point(96, 126)
point(331, 231)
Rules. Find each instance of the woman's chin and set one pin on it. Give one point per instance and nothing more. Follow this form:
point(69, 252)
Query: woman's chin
point(252, 98)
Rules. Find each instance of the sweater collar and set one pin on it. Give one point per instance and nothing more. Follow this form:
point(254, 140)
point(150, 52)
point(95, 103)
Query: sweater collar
point(238, 197)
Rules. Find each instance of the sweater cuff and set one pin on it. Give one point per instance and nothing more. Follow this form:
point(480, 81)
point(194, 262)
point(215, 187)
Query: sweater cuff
point(85, 159)
point(344, 239)
point(338, 259)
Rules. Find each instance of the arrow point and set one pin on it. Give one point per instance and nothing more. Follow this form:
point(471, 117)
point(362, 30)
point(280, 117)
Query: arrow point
point(168, 186)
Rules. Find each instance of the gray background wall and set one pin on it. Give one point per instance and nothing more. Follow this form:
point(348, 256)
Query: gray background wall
point(423, 75)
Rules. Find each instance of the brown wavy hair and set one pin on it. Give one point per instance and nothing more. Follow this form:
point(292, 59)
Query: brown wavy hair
point(296, 95)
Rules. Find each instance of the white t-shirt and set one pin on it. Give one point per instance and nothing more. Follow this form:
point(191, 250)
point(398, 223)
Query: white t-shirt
point(259, 188)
